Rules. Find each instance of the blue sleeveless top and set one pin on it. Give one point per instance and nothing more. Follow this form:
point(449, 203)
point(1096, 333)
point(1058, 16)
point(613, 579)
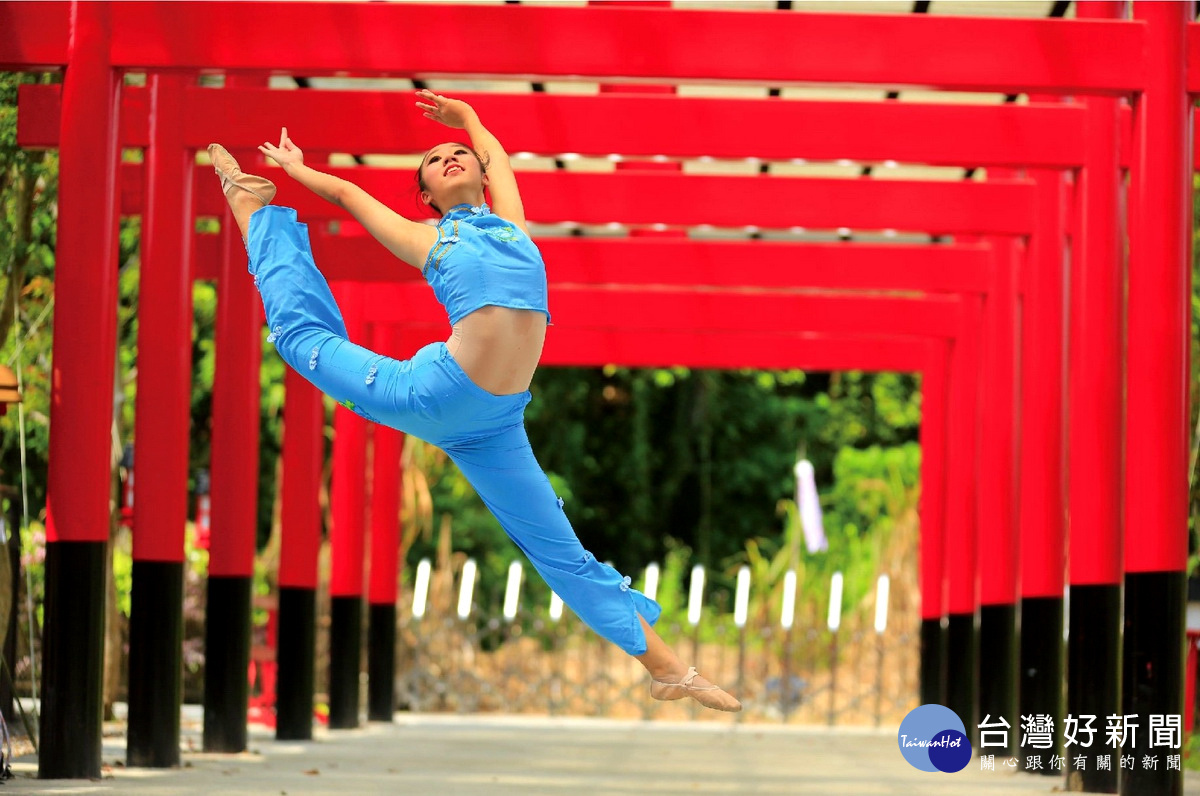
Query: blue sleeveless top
point(480, 260)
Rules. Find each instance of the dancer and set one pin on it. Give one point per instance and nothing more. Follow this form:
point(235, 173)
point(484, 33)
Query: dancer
point(468, 394)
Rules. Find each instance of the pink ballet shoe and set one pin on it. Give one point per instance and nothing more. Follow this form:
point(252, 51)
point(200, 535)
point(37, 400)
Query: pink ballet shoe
point(233, 179)
point(710, 696)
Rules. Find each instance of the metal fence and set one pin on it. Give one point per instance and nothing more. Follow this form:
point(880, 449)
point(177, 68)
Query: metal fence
point(798, 662)
point(807, 665)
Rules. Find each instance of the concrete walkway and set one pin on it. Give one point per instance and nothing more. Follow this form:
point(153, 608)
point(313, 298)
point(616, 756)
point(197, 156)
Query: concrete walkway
point(480, 754)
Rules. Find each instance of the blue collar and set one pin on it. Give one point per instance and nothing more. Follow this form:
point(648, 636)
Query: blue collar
point(464, 210)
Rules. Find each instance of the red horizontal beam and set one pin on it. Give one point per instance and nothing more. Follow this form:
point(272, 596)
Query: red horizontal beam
point(963, 206)
point(675, 262)
point(668, 310)
point(732, 350)
point(566, 347)
point(1045, 135)
point(615, 42)
point(33, 36)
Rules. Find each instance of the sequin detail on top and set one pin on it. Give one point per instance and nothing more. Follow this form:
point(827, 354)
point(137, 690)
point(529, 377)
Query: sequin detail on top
point(440, 248)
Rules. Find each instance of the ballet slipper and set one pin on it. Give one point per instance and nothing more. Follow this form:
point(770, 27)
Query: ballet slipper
point(710, 696)
point(233, 179)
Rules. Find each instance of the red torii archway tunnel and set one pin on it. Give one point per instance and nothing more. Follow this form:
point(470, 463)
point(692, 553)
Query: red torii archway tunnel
point(688, 263)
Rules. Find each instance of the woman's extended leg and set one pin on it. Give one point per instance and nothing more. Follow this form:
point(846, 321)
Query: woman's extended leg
point(306, 324)
point(504, 472)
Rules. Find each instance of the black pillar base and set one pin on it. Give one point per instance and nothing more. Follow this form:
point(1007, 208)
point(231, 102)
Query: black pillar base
point(295, 678)
point(1152, 673)
point(155, 664)
point(226, 663)
point(933, 662)
point(1093, 672)
point(73, 660)
point(345, 661)
point(381, 662)
point(962, 671)
point(1041, 685)
point(998, 655)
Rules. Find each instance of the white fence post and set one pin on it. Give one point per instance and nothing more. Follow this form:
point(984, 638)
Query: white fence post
point(882, 590)
point(835, 601)
point(556, 606)
point(741, 603)
point(421, 589)
point(787, 614)
point(650, 588)
point(466, 589)
point(696, 595)
point(512, 591)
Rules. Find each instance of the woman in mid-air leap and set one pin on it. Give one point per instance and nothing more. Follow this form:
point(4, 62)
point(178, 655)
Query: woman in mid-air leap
point(468, 394)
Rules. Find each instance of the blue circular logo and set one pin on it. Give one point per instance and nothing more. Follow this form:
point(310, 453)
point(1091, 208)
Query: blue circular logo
point(934, 738)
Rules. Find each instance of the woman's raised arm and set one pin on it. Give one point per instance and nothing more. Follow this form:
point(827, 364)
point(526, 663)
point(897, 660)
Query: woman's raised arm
point(407, 239)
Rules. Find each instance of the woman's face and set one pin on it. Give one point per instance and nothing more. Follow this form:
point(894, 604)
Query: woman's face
point(450, 169)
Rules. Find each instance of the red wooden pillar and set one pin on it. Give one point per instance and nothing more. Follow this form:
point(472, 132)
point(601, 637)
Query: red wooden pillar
point(299, 552)
point(961, 558)
point(235, 412)
point(996, 508)
point(81, 409)
point(348, 497)
point(1156, 442)
point(1042, 474)
point(161, 434)
point(387, 445)
point(1096, 363)
point(933, 434)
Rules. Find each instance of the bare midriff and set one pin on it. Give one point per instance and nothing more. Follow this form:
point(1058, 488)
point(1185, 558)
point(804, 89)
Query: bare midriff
point(499, 348)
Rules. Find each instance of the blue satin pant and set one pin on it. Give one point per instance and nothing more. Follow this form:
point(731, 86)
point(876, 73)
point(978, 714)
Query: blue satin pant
point(430, 397)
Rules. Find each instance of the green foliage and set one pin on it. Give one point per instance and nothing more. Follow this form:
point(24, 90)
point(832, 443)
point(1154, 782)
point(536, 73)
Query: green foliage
point(672, 593)
point(28, 200)
point(33, 564)
point(122, 568)
point(701, 457)
point(871, 491)
point(1191, 752)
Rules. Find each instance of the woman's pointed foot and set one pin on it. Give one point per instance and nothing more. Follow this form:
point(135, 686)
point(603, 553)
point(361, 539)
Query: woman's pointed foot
point(234, 180)
point(694, 686)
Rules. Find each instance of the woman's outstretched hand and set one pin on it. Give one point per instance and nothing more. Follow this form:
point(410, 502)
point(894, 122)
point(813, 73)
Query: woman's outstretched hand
point(450, 112)
point(286, 154)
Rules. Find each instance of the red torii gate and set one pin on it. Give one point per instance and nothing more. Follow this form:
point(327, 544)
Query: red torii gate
point(962, 135)
point(907, 69)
